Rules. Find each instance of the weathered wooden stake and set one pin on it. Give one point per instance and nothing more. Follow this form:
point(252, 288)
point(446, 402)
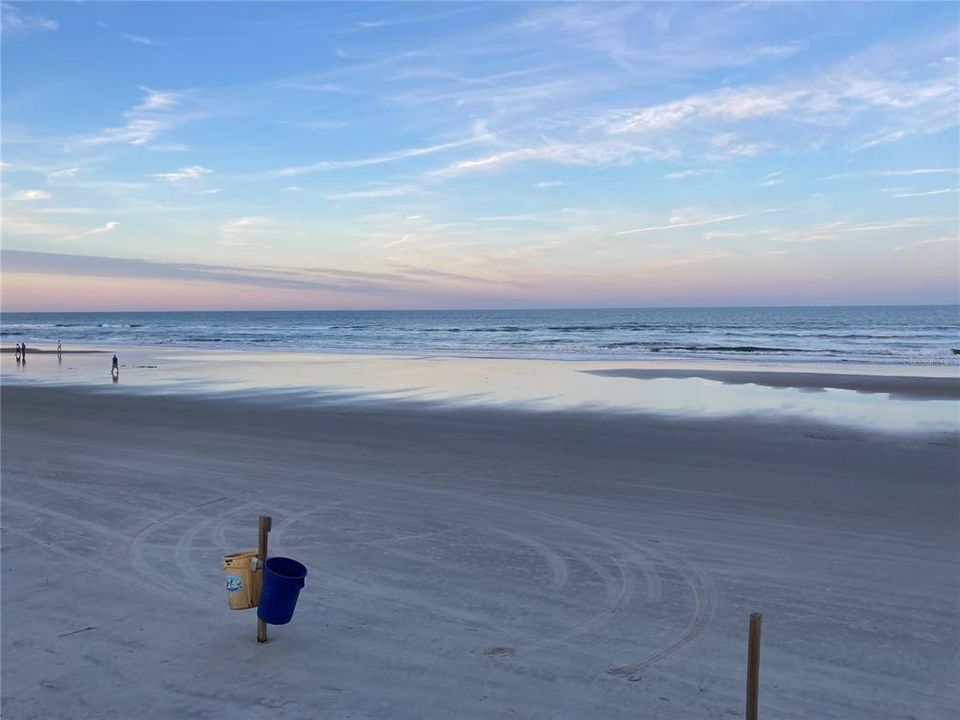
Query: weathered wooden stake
point(265, 525)
point(753, 666)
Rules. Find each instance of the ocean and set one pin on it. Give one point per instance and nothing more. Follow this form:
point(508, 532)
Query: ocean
point(927, 335)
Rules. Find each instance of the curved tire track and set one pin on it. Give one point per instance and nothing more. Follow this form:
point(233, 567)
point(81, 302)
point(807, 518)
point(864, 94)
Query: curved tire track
point(704, 596)
point(138, 544)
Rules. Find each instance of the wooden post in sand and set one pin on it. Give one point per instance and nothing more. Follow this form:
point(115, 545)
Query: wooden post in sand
point(265, 524)
point(753, 666)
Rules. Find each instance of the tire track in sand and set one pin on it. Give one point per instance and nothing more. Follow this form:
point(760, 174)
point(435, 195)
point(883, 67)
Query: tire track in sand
point(704, 596)
point(184, 547)
point(139, 543)
point(555, 562)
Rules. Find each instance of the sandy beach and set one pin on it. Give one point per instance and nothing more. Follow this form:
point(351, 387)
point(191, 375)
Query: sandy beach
point(560, 342)
point(471, 562)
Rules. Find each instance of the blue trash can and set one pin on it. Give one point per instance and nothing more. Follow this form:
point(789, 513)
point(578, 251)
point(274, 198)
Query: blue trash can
point(282, 581)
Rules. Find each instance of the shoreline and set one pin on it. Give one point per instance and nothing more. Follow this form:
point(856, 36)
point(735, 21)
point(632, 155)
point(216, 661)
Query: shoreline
point(39, 350)
point(815, 367)
point(877, 399)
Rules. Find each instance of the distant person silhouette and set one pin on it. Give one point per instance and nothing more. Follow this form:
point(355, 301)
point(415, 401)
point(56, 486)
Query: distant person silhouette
point(115, 370)
point(23, 351)
point(59, 348)
point(18, 353)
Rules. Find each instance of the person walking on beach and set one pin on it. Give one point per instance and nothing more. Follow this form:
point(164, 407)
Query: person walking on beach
point(59, 348)
point(23, 352)
point(18, 353)
point(115, 370)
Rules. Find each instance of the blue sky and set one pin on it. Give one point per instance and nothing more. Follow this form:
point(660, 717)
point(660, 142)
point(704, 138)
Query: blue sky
point(308, 155)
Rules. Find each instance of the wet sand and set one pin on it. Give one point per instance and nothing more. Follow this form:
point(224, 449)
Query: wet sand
point(901, 386)
point(888, 398)
point(471, 563)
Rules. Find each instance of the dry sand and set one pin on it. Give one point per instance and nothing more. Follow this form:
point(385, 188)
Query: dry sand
point(471, 563)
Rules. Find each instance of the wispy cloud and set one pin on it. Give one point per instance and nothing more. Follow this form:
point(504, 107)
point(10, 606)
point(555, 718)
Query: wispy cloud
point(832, 231)
point(929, 241)
point(13, 21)
point(883, 137)
point(682, 220)
point(109, 227)
point(727, 105)
point(893, 173)
point(158, 99)
point(183, 174)
point(526, 251)
point(62, 173)
point(399, 241)
point(375, 193)
point(681, 174)
point(724, 235)
point(154, 115)
point(30, 195)
point(695, 258)
point(727, 146)
point(31, 225)
point(66, 211)
point(139, 39)
point(548, 184)
point(944, 191)
point(672, 45)
point(446, 276)
point(405, 280)
point(896, 106)
point(168, 147)
point(17, 261)
point(247, 232)
point(585, 154)
point(327, 165)
point(774, 178)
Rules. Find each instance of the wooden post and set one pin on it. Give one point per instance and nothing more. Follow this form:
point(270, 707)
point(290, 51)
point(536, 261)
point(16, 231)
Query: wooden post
point(753, 666)
point(265, 525)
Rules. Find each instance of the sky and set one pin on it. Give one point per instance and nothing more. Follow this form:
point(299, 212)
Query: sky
point(247, 155)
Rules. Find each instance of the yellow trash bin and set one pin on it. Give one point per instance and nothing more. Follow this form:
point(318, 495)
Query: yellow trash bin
point(243, 580)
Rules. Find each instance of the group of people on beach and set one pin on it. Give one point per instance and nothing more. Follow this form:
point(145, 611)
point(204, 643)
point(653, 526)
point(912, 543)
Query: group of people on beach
point(21, 354)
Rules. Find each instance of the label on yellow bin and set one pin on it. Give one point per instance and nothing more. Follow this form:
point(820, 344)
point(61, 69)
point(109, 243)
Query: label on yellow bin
point(234, 583)
point(243, 582)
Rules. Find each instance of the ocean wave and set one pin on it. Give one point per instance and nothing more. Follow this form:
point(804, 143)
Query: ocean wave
point(631, 327)
point(885, 335)
point(547, 341)
point(504, 329)
point(711, 348)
